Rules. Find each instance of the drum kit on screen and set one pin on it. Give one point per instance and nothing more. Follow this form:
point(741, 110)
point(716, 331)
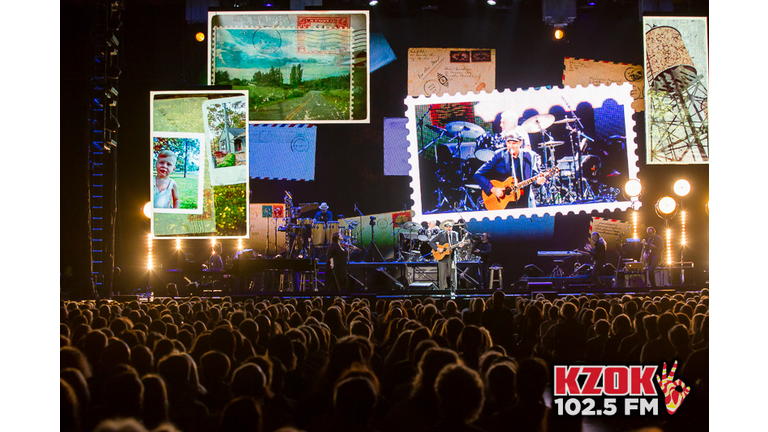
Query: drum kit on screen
point(463, 147)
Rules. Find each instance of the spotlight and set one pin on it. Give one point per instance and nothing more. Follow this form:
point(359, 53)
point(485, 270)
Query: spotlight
point(373, 2)
point(633, 188)
point(682, 187)
point(147, 209)
point(491, 2)
point(666, 207)
point(559, 34)
point(199, 36)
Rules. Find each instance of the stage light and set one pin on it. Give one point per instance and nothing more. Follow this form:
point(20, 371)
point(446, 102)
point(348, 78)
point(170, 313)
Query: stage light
point(150, 263)
point(178, 244)
point(373, 2)
point(682, 187)
point(200, 36)
point(634, 224)
point(683, 239)
point(239, 244)
point(559, 34)
point(491, 2)
point(147, 209)
point(633, 188)
point(666, 207)
point(669, 246)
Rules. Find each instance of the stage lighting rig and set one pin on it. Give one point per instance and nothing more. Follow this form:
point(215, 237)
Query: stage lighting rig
point(666, 207)
point(682, 187)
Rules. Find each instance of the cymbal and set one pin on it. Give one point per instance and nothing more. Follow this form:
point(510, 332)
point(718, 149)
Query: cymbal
point(410, 225)
point(538, 122)
point(465, 129)
point(552, 143)
point(566, 120)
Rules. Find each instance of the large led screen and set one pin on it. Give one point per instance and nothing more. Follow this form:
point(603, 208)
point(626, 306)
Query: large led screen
point(298, 67)
point(199, 164)
point(574, 147)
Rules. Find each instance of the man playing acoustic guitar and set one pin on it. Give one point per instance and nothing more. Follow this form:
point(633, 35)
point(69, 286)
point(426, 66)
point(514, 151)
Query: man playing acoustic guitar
point(500, 176)
point(443, 245)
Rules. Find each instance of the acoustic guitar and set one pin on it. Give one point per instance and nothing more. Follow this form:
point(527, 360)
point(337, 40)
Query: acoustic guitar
point(447, 249)
point(512, 190)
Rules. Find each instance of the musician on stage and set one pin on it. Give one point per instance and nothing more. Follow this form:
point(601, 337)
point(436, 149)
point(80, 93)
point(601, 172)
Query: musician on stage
point(324, 215)
point(653, 246)
point(336, 262)
point(596, 248)
point(513, 161)
point(483, 251)
point(508, 123)
point(441, 243)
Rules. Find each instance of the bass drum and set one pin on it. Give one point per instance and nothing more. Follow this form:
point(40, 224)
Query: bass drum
point(486, 146)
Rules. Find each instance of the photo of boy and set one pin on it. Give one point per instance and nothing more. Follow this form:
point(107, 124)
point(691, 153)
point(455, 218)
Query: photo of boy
point(166, 191)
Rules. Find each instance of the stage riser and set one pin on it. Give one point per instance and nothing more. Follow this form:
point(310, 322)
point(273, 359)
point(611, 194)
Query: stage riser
point(462, 297)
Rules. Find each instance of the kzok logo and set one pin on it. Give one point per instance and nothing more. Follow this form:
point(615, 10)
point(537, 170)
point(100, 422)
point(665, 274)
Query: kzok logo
point(577, 386)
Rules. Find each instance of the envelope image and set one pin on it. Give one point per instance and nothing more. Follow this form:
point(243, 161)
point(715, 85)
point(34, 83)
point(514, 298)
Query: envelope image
point(438, 71)
point(282, 151)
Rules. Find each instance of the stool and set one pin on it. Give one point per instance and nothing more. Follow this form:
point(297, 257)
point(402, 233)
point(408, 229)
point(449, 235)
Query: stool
point(495, 276)
point(307, 280)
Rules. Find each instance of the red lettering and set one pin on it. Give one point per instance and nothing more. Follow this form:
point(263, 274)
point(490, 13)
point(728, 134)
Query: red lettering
point(593, 377)
point(616, 380)
point(565, 381)
point(641, 380)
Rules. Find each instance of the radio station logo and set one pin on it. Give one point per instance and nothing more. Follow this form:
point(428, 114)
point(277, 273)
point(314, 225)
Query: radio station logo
point(615, 390)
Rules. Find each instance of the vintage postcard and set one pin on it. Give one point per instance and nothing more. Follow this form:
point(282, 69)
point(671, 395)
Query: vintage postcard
point(297, 67)
point(582, 72)
point(179, 123)
point(177, 172)
point(676, 90)
point(438, 71)
point(282, 152)
point(563, 150)
point(226, 130)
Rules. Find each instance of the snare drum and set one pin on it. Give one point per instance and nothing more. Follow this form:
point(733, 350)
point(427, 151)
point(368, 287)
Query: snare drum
point(318, 233)
point(331, 228)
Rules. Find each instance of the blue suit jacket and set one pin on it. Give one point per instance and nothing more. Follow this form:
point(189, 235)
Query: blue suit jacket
point(500, 168)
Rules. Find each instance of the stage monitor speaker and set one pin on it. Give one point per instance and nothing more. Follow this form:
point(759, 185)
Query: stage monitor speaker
point(423, 286)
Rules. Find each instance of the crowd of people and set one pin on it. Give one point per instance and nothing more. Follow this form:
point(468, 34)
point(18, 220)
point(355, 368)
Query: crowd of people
point(354, 364)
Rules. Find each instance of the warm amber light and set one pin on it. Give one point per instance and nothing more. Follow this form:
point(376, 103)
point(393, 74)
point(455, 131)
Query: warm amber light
point(200, 36)
point(559, 34)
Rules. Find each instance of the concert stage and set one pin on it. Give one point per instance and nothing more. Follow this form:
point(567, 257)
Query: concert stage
point(297, 278)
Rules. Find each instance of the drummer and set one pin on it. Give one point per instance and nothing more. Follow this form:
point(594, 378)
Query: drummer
point(508, 123)
point(324, 215)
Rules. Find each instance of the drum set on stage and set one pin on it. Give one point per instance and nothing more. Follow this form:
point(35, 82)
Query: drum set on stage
point(413, 242)
point(307, 237)
point(461, 148)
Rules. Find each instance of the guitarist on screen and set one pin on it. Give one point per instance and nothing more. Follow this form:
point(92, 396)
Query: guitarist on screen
point(513, 164)
point(442, 245)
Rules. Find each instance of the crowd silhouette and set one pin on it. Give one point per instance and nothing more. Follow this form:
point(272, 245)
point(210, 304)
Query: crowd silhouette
point(346, 364)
